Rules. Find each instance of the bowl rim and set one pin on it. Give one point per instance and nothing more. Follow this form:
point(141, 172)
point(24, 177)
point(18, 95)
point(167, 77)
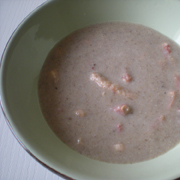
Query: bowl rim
point(2, 59)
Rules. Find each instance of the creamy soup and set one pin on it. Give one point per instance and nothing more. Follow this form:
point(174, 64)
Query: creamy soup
point(110, 91)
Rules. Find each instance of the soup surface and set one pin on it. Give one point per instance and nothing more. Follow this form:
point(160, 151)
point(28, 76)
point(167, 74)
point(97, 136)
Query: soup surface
point(110, 91)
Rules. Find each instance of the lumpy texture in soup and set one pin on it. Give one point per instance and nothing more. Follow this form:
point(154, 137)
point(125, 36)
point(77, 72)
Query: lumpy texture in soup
point(111, 92)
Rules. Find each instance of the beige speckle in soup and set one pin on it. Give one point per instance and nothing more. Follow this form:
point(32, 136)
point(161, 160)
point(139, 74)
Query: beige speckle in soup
point(161, 118)
point(79, 141)
point(103, 93)
point(119, 147)
point(172, 95)
point(54, 75)
point(80, 113)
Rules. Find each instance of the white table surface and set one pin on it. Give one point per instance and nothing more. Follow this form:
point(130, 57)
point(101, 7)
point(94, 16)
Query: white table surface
point(15, 162)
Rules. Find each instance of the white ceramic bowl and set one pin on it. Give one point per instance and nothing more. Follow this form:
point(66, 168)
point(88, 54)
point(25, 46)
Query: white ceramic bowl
point(21, 63)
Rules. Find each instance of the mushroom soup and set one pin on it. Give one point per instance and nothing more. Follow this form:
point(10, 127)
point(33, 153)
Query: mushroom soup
point(110, 91)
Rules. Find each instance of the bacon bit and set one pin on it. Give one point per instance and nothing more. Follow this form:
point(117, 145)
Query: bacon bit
point(119, 147)
point(106, 84)
point(161, 118)
point(119, 126)
point(172, 94)
point(126, 78)
point(100, 80)
point(93, 66)
point(123, 109)
point(166, 48)
point(80, 113)
point(116, 88)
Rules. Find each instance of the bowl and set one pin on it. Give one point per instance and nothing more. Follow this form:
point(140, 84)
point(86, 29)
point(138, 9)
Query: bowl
point(21, 63)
